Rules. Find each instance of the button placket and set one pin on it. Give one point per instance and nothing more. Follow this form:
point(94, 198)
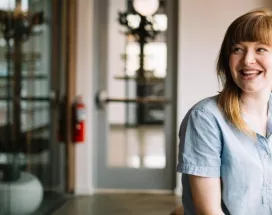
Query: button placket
point(265, 154)
point(267, 151)
point(268, 175)
point(268, 186)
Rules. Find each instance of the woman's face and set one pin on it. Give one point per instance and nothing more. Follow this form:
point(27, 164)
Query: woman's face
point(251, 66)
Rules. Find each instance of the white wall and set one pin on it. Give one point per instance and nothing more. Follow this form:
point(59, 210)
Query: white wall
point(201, 29)
point(202, 25)
point(116, 66)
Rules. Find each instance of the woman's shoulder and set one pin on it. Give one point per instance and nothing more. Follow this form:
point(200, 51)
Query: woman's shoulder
point(204, 114)
point(208, 105)
point(206, 108)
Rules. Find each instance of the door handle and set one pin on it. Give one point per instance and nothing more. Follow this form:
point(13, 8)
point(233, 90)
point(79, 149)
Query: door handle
point(102, 99)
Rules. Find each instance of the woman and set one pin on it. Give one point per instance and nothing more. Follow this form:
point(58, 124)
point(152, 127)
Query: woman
point(225, 151)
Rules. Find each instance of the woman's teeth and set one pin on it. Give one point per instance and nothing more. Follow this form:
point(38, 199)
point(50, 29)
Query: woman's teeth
point(250, 72)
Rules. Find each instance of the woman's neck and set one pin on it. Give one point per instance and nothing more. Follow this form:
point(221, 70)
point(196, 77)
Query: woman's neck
point(255, 111)
point(255, 104)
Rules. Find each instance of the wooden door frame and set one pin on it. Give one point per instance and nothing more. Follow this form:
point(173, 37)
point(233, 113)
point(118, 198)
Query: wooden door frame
point(71, 30)
point(64, 74)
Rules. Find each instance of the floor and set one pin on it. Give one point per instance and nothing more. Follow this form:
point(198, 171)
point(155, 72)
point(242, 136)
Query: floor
point(51, 202)
point(120, 204)
point(141, 147)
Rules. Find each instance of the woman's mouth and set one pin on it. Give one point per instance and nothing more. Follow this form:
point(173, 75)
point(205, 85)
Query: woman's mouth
point(249, 74)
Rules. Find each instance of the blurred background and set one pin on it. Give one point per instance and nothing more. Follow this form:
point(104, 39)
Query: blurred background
point(92, 93)
point(32, 80)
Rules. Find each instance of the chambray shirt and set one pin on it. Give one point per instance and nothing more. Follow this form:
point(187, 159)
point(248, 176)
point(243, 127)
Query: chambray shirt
point(211, 146)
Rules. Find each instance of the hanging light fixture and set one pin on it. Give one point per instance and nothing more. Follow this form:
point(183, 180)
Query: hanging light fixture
point(146, 7)
point(11, 4)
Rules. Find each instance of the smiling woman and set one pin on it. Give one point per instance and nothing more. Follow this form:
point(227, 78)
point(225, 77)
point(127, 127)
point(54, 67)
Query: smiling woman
point(225, 139)
point(253, 27)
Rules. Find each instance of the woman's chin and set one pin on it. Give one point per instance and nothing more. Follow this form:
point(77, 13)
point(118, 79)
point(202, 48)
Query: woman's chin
point(254, 90)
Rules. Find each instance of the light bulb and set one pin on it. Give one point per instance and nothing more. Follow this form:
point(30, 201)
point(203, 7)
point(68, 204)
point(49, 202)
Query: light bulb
point(146, 7)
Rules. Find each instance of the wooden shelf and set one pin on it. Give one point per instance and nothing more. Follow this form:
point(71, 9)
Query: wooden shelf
point(26, 77)
point(149, 80)
point(26, 57)
point(29, 98)
point(144, 100)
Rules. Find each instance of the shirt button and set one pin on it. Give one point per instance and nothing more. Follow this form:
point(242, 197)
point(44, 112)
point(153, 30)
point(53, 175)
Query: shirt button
point(266, 156)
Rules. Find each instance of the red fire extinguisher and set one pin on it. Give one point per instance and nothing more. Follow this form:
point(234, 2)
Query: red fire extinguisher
point(79, 120)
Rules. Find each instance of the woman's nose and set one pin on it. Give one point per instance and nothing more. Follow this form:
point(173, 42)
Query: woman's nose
point(249, 58)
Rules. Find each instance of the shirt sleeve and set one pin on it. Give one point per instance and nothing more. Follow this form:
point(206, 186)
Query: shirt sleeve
point(200, 145)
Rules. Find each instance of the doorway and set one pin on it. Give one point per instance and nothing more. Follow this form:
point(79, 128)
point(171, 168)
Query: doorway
point(135, 118)
point(31, 156)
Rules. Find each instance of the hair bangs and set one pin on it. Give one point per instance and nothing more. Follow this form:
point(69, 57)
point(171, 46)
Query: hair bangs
point(253, 29)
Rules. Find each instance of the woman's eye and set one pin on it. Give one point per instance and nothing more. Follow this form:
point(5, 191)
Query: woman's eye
point(237, 50)
point(261, 50)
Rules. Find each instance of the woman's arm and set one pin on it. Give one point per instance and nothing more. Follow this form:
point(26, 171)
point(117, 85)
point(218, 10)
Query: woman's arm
point(206, 194)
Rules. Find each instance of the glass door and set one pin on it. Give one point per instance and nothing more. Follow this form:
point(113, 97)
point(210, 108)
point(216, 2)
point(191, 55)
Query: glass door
point(135, 120)
point(31, 159)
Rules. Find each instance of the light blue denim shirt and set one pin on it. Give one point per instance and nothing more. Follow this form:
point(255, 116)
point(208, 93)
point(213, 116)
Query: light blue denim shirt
point(210, 146)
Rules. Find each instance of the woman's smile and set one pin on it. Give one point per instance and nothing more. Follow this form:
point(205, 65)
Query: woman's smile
point(249, 75)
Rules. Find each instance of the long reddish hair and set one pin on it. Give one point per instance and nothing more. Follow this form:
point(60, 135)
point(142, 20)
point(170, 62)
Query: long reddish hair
point(254, 26)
